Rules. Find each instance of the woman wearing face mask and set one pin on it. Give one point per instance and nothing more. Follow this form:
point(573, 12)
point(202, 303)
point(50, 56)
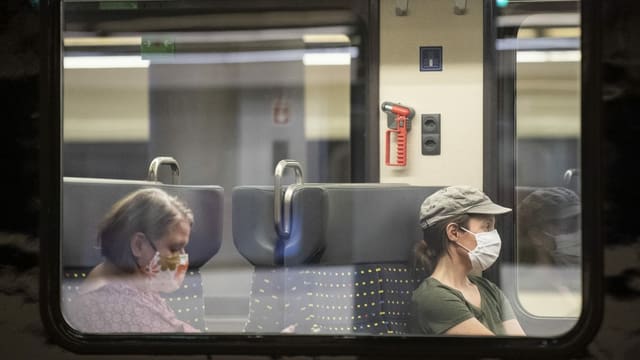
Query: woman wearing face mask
point(460, 237)
point(549, 228)
point(143, 240)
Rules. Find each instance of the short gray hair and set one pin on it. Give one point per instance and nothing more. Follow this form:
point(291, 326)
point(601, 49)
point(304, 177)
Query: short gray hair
point(150, 211)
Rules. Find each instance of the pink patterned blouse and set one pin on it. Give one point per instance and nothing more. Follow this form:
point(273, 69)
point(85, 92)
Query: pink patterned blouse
point(120, 307)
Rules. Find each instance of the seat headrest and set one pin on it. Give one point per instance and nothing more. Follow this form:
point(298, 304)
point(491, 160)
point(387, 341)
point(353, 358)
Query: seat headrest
point(332, 224)
point(86, 201)
point(254, 232)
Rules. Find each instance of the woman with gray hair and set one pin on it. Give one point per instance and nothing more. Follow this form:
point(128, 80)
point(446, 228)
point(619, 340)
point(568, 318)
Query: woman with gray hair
point(460, 237)
point(143, 239)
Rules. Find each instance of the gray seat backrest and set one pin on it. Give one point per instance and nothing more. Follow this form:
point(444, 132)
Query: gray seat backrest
point(343, 268)
point(85, 203)
point(332, 224)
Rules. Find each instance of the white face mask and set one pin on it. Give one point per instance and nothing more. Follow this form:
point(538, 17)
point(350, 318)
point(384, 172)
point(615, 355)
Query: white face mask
point(486, 251)
point(568, 248)
point(166, 273)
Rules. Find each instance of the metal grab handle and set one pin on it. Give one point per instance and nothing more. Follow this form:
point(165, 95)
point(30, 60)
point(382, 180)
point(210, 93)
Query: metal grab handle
point(569, 175)
point(283, 221)
point(164, 160)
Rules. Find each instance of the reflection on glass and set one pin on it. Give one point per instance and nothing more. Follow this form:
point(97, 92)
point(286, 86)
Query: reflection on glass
point(549, 231)
point(548, 222)
point(550, 252)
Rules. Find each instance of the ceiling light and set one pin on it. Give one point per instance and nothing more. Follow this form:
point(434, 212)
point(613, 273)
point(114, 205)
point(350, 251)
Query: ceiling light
point(104, 62)
point(325, 38)
point(317, 59)
point(103, 41)
point(548, 56)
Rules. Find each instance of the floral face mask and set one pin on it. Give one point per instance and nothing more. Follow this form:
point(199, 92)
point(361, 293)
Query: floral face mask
point(166, 273)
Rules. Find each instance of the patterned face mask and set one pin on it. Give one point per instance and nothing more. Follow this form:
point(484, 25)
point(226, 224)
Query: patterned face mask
point(165, 273)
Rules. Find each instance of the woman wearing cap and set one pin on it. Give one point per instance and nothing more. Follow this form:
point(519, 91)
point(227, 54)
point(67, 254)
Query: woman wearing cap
point(549, 228)
point(460, 237)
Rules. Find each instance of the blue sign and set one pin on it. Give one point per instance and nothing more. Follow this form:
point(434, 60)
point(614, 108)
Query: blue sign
point(431, 58)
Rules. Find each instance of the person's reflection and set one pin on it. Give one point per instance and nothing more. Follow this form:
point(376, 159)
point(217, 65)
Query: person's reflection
point(549, 228)
point(143, 239)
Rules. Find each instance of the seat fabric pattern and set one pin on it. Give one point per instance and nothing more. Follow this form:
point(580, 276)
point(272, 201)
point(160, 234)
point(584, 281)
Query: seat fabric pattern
point(362, 299)
point(266, 302)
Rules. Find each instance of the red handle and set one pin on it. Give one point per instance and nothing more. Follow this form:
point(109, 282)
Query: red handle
point(401, 143)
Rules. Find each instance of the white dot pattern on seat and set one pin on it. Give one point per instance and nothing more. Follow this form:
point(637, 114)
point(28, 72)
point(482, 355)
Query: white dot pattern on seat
point(372, 299)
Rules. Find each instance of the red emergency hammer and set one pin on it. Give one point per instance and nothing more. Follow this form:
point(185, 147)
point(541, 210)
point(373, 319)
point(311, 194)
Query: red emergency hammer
point(399, 122)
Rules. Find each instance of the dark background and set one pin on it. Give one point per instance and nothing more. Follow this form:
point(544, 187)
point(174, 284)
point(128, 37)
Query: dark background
point(21, 333)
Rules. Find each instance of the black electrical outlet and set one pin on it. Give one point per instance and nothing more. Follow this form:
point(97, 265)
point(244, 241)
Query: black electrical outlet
point(430, 134)
point(430, 144)
point(431, 124)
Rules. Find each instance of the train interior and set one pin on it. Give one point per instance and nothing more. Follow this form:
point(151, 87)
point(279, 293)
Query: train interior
point(267, 119)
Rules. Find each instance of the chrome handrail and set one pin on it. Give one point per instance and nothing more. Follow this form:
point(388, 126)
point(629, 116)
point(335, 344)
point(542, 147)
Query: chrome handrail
point(282, 216)
point(164, 160)
point(569, 175)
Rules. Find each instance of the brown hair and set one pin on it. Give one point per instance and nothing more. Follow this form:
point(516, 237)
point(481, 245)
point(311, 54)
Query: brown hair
point(434, 244)
point(149, 211)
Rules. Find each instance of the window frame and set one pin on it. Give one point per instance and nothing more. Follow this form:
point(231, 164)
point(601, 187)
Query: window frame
point(291, 344)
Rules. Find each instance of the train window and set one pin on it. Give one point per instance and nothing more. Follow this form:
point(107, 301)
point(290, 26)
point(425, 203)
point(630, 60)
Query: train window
point(130, 83)
point(539, 47)
point(227, 91)
point(277, 173)
point(548, 165)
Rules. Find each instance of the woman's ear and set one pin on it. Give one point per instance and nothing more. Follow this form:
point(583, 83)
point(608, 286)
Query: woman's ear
point(453, 231)
point(137, 244)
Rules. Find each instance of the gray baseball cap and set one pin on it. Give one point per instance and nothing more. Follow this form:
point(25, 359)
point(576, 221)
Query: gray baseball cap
point(546, 204)
point(456, 200)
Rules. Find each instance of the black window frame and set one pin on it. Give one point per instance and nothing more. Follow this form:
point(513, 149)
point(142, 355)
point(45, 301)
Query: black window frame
point(291, 344)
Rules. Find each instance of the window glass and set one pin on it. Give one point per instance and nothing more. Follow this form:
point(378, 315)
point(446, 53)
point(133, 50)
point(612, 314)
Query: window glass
point(225, 94)
point(213, 155)
point(548, 222)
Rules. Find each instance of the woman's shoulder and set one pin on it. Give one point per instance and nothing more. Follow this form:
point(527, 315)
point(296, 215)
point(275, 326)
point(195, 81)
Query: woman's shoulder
point(480, 281)
point(487, 285)
point(431, 291)
point(106, 294)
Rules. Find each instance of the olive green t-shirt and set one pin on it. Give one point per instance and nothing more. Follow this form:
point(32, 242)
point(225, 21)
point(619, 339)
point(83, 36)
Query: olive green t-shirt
point(437, 307)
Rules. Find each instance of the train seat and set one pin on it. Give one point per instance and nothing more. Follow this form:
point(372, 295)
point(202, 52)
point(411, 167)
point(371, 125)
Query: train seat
point(85, 203)
point(343, 266)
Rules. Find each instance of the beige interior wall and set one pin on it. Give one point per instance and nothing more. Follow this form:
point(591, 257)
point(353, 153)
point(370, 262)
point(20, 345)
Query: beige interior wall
point(548, 104)
point(327, 102)
point(455, 92)
point(113, 104)
point(106, 105)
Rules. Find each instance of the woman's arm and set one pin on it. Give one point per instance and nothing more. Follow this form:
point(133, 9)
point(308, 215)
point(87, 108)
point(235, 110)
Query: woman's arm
point(512, 327)
point(470, 327)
